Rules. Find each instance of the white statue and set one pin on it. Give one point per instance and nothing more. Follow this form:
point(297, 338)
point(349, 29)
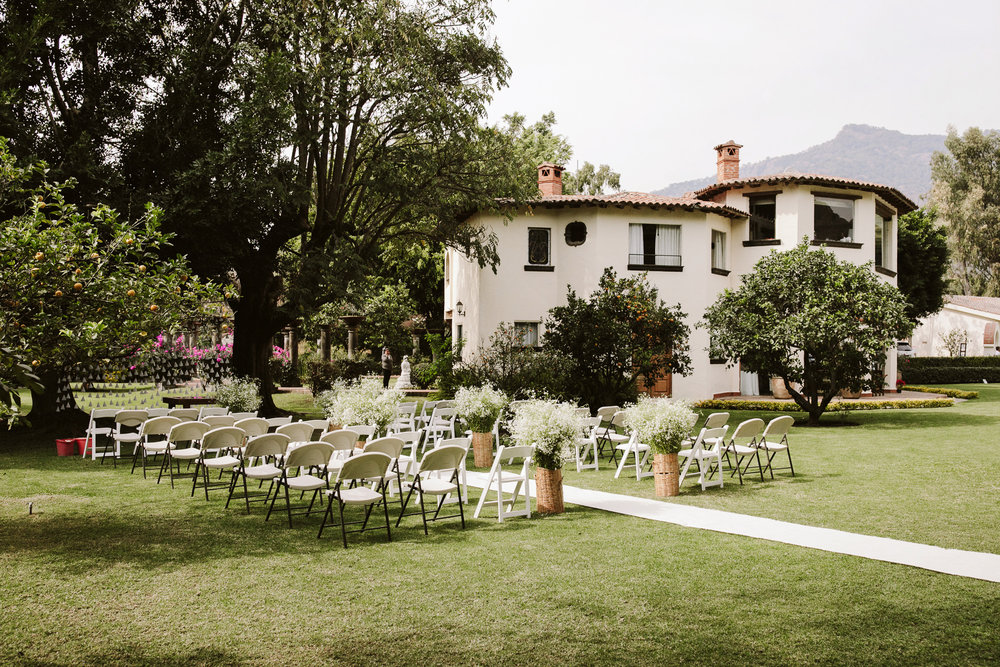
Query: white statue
point(404, 373)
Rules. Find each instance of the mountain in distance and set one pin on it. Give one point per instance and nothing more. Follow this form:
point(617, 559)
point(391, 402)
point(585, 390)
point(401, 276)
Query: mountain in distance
point(861, 152)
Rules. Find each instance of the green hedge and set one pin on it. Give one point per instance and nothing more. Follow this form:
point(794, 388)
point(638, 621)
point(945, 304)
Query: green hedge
point(953, 393)
point(838, 406)
point(951, 362)
point(951, 374)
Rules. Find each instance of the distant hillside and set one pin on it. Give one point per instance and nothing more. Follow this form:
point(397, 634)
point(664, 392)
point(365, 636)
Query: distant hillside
point(862, 152)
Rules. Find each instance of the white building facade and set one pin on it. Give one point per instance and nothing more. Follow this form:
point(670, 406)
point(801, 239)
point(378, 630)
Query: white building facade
point(691, 247)
point(977, 316)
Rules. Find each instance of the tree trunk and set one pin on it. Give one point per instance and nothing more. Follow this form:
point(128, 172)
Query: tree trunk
point(56, 405)
point(255, 321)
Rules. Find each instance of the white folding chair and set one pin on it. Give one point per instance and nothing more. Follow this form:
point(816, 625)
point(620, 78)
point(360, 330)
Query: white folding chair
point(320, 426)
point(411, 445)
point(498, 477)
point(639, 451)
point(586, 445)
point(185, 414)
point(211, 411)
point(606, 412)
point(128, 424)
point(274, 422)
point(297, 431)
point(466, 443)
point(252, 426)
point(392, 447)
point(742, 444)
point(153, 440)
point(344, 443)
point(406, 418)
point(610, 435)
point(190, 433)
point(709, 461)
point(370, 465)
point(774, 440)
point(157, 412)
point(244, 415)
point(217, 421)
point(444, 461)
point(440, 425)
point(268, 449)
point(101, 426)
point(314, 459)
point(225, 442)
point(426, 410)
point(363, 431)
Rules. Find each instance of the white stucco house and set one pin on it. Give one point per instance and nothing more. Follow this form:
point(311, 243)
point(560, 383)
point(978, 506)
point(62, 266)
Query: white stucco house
point(692, 248)
point(978, 316)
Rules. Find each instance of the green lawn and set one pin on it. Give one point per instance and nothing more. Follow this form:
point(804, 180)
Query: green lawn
point(117, 569)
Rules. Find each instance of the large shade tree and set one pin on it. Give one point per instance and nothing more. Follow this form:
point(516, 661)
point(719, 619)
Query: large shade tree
point(966, 196)
point(79, 288)
point(818, 323)
point(620, 335)
point(292, 141)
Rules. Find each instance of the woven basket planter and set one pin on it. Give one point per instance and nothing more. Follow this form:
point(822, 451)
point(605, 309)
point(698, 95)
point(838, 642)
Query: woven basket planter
point(549, 491)
point(482, 449)
point(666, 474)
point(335, 427)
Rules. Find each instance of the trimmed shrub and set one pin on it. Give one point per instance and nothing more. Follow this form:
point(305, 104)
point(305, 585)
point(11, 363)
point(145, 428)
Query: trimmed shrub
point(934, 362)
point(839, 406)
point(423, 374)
point(953, 393)
point(322, 374)
point(951, 374)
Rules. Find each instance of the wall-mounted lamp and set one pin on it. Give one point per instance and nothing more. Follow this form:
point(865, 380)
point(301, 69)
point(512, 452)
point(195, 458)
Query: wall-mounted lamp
point(460, 308)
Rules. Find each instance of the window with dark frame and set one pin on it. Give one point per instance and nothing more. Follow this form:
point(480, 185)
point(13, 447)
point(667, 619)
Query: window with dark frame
point(718, 251)
point(883, 238)
point(527, 333)
point(576, 233)
point(538, 246)
point(763, 212)
point(833, 218)
point(654, 246)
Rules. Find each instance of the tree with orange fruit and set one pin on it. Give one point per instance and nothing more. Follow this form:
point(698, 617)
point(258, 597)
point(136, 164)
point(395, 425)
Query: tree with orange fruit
point(75, 287)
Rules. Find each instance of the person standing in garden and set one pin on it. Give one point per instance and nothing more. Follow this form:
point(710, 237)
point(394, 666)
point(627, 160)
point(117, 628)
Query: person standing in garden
point(386, 367)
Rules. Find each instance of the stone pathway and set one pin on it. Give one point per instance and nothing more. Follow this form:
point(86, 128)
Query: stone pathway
point(972, 564)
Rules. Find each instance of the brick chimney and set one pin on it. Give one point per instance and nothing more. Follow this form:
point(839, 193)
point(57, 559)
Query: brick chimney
point(550, 178)
point(727, 162)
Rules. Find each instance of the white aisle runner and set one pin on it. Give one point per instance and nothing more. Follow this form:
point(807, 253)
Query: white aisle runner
point(973, 564)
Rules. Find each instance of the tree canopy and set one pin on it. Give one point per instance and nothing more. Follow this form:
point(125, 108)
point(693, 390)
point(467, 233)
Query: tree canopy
point(966, 196)
point(819, 324)
point(79, 288)
point(622, 331)
point(922, 263)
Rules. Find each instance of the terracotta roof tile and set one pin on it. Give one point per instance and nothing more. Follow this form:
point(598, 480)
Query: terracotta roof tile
point(622, 199)
point(890, 194)
point(987, 304)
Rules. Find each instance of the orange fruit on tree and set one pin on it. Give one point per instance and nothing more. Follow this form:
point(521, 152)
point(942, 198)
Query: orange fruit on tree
point(131, 292)
point(39, 255)
point(58, 293)
point(78, 286)
point(142, 268)
point(154, 308)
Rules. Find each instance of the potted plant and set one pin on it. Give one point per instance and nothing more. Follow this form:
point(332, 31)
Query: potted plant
point(239, 394)
point(363, 402)
point(662, 423)
point(480, 407)
point(552, 428)
point(900, 383)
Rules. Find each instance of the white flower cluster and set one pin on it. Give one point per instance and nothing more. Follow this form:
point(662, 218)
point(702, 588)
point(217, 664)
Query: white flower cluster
point(239, 394)
point(480, 406)
point(362, 402)
point(551, 426)
point(661, 423)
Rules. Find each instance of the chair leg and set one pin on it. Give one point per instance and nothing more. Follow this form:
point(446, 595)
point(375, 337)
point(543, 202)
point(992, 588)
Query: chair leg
point(385, 508)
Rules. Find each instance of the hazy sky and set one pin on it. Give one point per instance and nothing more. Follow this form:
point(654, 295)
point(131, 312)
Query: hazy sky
point(651, 87)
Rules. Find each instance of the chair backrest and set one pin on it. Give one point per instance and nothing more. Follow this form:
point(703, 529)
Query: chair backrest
point(445, 404)
point(159, 426)
point(274, 422)
point(390, 446)
point(446, 457)
point(588, 423)
point(583, 411)
point(342, 439)
point(463, 442)
point(186, 414)
point(606, 412)
point(713, 436)
point(509, 455)
point(244, 415)
point(157, 412)
point(716, 419)
point(130, 418)
point(410, 437)
point(443, 416)
point(318, 424)
point(207, 411)
point(297, 431)
point(252, 426)
point(103, 413)
point(310, 454)
point(223, 437)
point(428, 408)
point(365, 466)
point(363, 430)
point(216, 421)
point(268, 444)
point(188, 431)
point(618, 419)
point(748, 430)
point(777, 428)
point(406, 409)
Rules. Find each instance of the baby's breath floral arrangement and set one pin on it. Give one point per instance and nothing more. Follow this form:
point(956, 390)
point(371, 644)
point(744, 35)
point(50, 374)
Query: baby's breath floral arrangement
point(661, 423)
point(239, 394)
point(551, 426)
point(480, 407)
point(362, 402)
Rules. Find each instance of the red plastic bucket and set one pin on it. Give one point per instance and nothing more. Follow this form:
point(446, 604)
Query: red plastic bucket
point(81, 444)
point(66, 446)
